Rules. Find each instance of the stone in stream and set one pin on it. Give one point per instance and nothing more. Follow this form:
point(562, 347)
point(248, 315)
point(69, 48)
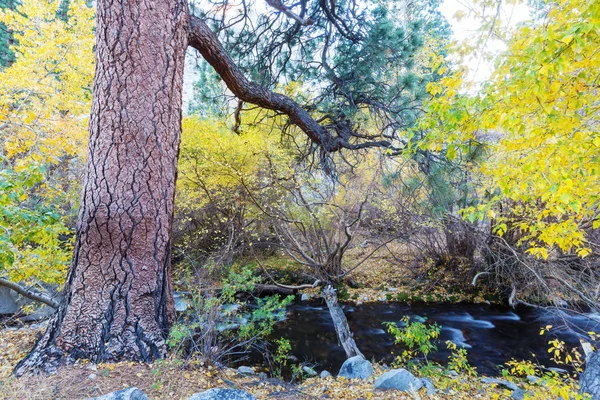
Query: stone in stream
point(246, 370)
point(131, 393)
point(398, 379)
point(356, 367)
point(223, 394)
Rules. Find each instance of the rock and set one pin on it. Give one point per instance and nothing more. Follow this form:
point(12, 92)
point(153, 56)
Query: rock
point(223, 394)
point(263, 376)
point(356, 367)
point(453, 374)
point(246, 370)
point(589, 380)
point(399, 379)
point(325, 374)
point(92, 377)
point(429, 386)
point(131, 393)
point(92, 367)
point(305, 297)
point(534, 380)
point(7, 303)
point(518, 394)
point(500, 382)
point(309, 371)
point(181, 303)
point(393, 289)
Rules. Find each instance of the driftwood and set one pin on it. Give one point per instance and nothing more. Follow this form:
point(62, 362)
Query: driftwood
point(340, 323)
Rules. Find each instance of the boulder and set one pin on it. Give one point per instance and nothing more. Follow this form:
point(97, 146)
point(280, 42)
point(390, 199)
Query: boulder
point(246, 370)
point(429, 386)
point(7, 303)
point(399, 379)
point(131, 393)
point(589, 380)
point(356, 367)
point(325, 374)
point(223, 394)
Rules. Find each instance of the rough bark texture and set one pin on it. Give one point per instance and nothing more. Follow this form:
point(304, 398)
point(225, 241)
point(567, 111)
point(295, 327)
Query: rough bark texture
point(118, 302)
point(340, 323)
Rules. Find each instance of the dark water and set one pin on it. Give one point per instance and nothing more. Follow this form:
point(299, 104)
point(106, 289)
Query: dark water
point(492, 335)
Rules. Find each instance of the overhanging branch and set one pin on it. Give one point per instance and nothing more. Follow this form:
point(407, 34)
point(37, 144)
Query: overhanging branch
point(206, 42)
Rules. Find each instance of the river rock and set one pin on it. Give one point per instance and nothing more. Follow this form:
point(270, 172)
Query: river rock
point(356, 367)
point(500, 382)
point(589, 380)
point(223, 394)
point(131, 393)
point(305, 297)
point(325, 374)
point(429, 386)
point(399, 379)
point(7, 303)
point(246, 370)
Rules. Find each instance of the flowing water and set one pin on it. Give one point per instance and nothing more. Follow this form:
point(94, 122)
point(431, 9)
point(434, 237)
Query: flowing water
point(491, 334)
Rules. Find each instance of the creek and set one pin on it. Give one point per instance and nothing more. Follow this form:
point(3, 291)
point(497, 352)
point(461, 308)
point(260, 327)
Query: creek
point(491, 334)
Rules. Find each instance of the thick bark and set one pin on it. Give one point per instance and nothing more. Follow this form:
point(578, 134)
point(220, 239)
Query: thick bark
point(118, 302)
point(589, 380)
point(340, 323)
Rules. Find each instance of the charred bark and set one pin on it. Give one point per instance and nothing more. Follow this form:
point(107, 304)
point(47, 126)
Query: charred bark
point(340, 323)
point(118, 302)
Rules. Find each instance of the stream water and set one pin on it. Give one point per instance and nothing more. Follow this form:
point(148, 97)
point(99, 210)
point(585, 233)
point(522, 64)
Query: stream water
point(491, 334)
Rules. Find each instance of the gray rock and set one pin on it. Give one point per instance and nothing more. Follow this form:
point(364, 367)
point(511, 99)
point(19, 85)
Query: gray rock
point(305, 297)
point(399, 379)
point(263, 376)
point(325, 374)
point(92, 377)
point(534, 380)
point(223, 394)
point(246, 370)
point(589, 380)
point(518, 394)
point(309, 371)
point(181, 303)
point(356, 367)
point(453, 374)
point(500, 382)
point(429, 386)
point(131, 393)
point(7, 303)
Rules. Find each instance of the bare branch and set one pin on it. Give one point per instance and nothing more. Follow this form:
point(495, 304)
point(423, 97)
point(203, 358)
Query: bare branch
point(30, 294)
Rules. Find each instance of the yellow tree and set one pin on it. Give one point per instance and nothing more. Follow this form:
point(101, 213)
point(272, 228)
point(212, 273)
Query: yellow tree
point(540, 113)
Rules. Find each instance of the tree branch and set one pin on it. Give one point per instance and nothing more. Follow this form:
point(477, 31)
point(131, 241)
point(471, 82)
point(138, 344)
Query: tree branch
point(28, 293)
point(206, 42)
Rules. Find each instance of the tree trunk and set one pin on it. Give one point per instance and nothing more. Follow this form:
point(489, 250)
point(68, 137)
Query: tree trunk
point(340, 323)
point(118, 302)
